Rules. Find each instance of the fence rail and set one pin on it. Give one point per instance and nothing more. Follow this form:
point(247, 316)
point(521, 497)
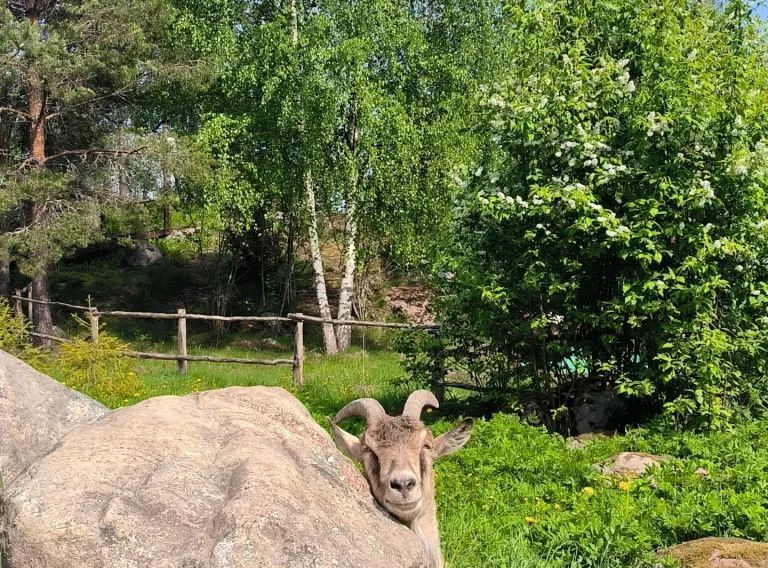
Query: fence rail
point(181, 316)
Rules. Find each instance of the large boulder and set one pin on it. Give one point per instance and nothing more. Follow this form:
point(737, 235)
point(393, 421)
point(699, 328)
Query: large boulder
point(238, 477)
point(35, 411)
point(720, 553)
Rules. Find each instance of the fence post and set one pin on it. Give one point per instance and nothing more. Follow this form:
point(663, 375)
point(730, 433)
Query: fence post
point(17, 303)
point(29, 305)
point(181, 364)
point(298, 353)
point(93, 315)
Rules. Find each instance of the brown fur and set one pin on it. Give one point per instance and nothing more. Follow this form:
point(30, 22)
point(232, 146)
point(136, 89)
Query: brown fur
point(398, 449)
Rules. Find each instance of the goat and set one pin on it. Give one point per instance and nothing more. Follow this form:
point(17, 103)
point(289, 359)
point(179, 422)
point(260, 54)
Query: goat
point(397, 455)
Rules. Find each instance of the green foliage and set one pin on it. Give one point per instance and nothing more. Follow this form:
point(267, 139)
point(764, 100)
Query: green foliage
point(615, 232)
point(513, 481)
point(101, 370)
point(14, 334)
point(374, 98)
point(83, 61)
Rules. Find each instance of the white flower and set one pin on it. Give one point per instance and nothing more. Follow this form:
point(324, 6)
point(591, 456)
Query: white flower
point(631, 87)
point(596, 206)
point(479, 171)
point(497, 101)
point(610, 233)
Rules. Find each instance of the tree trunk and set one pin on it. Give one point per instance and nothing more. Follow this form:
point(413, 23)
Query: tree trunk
point(344, 332)
point(122, 183)
point(41, 313)
point(329, 338)
point(5, 278)
point(42, 321)
point(169, 180)
point(294, 23)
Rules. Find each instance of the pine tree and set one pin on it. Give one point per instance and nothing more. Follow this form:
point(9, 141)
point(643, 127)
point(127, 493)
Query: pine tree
point(68, 73)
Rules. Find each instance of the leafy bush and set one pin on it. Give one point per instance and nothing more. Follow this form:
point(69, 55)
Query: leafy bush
point(14, 334)
point(516, 483)
point(101, 370)
point(616, 232)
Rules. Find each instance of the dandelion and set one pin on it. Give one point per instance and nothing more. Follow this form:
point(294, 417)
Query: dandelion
point(531, 520)
point(625, 486)
point(557, 506)
point(588, 491)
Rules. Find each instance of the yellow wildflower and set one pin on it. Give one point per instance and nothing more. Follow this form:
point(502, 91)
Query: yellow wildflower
point(557, 506)
point(531, 520)
point(625, 486)
point(588, 491)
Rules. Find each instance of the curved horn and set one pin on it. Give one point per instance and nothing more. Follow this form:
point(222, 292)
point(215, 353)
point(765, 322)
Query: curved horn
point(368, 408)
point(418, 400)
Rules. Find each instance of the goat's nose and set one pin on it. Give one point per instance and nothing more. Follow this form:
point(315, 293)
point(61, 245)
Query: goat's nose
point(402, 483)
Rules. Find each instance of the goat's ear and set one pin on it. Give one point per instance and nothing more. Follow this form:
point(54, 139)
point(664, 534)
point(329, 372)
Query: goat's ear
point(346, 442)
point(453, 439)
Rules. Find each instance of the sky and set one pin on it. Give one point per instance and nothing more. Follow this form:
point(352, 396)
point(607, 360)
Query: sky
point(762, 9)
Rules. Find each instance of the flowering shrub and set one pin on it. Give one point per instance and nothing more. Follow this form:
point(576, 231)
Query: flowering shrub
point(615, 233)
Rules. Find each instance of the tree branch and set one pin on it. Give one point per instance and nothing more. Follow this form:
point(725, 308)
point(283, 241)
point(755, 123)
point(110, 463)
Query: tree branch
point(16, 111)
point(94, 152)
point(116, 93)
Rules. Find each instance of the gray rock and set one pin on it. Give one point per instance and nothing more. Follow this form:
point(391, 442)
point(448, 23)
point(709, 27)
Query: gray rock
point(238, 477)
point(35, 411)
point(143, 254)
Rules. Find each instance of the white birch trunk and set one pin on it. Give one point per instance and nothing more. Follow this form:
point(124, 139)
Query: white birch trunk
point(329, 338)
point(344, 332)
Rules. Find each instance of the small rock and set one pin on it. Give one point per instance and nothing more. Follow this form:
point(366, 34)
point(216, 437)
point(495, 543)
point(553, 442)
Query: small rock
point(578, 442)
point(720, 553)
point(631, 464)
point(143, 254)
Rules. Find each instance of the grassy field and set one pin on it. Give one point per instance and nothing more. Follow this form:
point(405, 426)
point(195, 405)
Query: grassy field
point(518, 496)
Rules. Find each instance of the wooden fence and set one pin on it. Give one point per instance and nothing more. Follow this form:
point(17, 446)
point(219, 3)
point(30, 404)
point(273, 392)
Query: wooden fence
point(181, 316)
